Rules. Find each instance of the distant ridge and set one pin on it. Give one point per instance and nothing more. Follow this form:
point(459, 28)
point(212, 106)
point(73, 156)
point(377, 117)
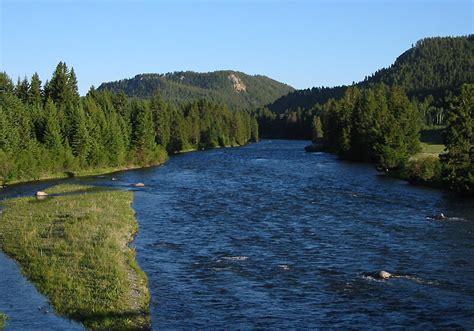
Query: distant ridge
point(433, 66)
point(235, 89)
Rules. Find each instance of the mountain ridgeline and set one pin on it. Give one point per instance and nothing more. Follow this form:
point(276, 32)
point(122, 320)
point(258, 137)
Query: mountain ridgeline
point(234, 89)
point(432, 68)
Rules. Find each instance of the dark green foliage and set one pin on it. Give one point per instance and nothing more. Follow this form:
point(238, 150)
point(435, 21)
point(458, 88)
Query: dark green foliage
point(6, 84)
point(379, 120)
point(234, 89)
point(45, 134)
point(458, 161)
point(306, 98)
point(22, 88)
point(378, 124)
point(434, 66)
point(52, 132)
point(289, 125)
point(373, 125)
point(35, 95)
point(428, 72)
point(423, 170)
point(317, 128)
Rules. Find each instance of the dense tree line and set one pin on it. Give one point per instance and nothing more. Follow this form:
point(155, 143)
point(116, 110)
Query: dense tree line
point(378, 124)
point(429, 72)
point(306, 99)
point(50, 129)
point(185, 86)
point(381, 124)
point(288, 125)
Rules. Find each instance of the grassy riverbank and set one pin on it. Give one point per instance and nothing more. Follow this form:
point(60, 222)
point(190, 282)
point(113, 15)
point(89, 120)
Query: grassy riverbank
point(3, 320)
point(74, 246)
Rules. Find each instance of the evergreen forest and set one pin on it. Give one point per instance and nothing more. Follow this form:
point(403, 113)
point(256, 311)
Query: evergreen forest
point(48, 130)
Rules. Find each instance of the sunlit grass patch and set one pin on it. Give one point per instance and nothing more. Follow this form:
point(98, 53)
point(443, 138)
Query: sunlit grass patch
point(3, 320)
point(74, 247)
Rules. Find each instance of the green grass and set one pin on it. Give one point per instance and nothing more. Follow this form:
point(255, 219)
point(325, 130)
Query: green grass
point(75, 249)
point(3, 320)
point(431, 141)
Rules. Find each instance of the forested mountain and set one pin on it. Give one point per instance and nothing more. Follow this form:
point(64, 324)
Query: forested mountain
point(306, 99)
point(432, 67)
point(51, 130)
point(232, 88)
point(379, 119)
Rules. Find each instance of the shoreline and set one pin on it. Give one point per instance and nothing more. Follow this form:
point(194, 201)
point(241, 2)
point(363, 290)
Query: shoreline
point(106, 170)
point(397, 174)
point(138, 292)
point(81, 174)
point(75, 248)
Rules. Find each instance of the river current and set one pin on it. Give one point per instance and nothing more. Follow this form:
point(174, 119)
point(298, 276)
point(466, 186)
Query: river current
point(268, 236)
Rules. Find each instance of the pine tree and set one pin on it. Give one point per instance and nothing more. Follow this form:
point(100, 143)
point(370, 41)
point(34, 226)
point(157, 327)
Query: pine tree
point(22, 89)
point(5, 128)
point(144, 133)
point(254, 130)
point(52, 132)
point(178, 139)
point(6, 84)
point(458, 161)
point(57, 87)
point(80, 141)
point(317, 128)
point(72, 94)
point(115, 142)
point(35, 97)
point(162, 120)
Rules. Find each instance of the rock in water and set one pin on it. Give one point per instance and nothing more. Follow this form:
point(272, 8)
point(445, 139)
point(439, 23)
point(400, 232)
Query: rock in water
point(41, 194)
point(384, 274)
point(139, 185)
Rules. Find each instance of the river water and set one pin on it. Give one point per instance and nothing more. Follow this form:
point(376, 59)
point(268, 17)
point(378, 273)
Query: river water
point(268, 236)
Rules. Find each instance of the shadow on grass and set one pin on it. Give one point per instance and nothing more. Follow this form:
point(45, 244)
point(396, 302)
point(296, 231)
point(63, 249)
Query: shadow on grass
point(115, 321)
point(432, 136)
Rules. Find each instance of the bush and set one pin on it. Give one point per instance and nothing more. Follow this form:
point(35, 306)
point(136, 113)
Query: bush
point(425, 169)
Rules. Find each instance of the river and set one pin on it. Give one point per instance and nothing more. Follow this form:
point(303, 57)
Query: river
point(268, 236)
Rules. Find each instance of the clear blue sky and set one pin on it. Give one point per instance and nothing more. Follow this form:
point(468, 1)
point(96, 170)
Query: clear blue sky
point(302, 43)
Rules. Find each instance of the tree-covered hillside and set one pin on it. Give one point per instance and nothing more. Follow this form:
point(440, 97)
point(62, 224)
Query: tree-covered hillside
point(434, 66)
point(234, 89)
point(431, 69)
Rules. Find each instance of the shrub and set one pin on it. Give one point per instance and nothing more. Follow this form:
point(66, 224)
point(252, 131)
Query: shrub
point(423, 169)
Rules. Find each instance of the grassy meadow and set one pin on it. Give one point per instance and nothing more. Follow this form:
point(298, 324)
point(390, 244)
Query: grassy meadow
point(431, 141)
point(3, 320)
point(74, 245)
